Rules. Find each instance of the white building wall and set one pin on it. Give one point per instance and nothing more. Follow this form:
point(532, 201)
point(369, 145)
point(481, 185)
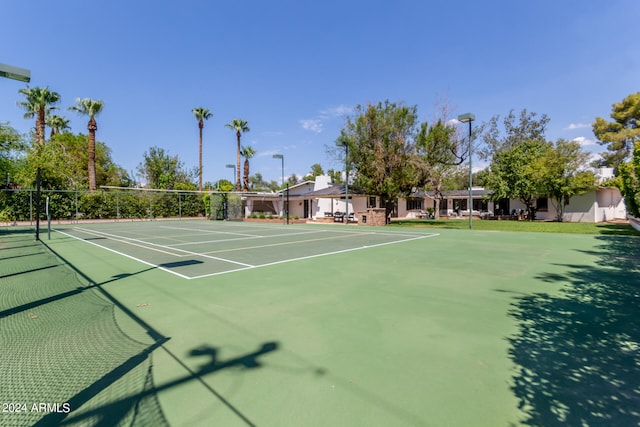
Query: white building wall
point(427, 202)
point(610, 204)
point(320, 207)
point(581, 208)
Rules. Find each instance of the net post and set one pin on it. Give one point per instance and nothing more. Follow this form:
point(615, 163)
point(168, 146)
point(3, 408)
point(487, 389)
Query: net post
point(38, 205)
point(48, 220)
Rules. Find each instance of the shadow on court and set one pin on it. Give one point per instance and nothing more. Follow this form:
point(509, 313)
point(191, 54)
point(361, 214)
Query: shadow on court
point(108, 379)
point(578, 354)
point(113, 412)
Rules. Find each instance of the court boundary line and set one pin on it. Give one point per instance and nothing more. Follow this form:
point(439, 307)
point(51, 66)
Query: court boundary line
point(124, 255)
point(245, 266)
point(239, 238)
point(115, 236)
point(426, 236)
point(271, 245)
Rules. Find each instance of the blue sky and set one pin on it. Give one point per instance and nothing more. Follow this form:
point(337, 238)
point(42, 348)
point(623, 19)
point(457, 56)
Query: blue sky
point(293, 69)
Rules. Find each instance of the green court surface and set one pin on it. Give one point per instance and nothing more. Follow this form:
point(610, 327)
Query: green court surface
point(200, 323)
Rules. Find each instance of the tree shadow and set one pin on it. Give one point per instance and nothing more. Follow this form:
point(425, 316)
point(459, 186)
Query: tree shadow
point(617, 229)
point(140, 407)
point(578, 353)
point(115, 411)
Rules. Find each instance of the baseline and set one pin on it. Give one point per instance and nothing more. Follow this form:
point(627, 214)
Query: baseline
point(424, 236)
point(127, 239)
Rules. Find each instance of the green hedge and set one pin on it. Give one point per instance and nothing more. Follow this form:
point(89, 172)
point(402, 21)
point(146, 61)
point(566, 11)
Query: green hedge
point(15, 205)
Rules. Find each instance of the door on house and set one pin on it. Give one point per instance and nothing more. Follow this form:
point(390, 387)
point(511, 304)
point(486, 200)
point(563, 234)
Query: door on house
point(306, 209)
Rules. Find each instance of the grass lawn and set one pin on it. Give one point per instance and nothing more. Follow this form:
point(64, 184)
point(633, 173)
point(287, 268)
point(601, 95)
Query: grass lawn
point(619, 229)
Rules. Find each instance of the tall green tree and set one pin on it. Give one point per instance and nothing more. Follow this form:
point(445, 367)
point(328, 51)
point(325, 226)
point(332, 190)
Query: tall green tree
point(629, 173)
point(10, 139)
point(440, 151)
point(291, 181)
point(619, 134)
point(316, 170)
point(63, 161)
point(335, 176)
point(240, 126)
point(515, 173)
point(162, 171)
point(57, 124)
point(247, 152)
point(516, 128)
point(380, 140)
point(201, 114)
point(38, 102)
point(563, 174)
point(257, 183)
point(11, 143)
point(91, 108)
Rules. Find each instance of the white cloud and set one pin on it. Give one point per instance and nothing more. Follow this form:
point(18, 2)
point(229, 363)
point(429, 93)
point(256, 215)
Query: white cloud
point(268, 153)
point(314, 125)
point(595, 157)
point(339, 111)
point(273, 133)
point(573, 126)
point(583, 141)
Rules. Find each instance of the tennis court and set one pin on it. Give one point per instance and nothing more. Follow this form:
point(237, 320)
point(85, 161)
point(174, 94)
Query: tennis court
point(200, 323)
point(198, 249)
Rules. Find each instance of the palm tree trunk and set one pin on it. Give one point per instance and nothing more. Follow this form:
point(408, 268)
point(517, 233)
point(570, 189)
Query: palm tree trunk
point(238, 188)
point(40, 126)
point(200, 125)
point(245, 179)
point(92, 128)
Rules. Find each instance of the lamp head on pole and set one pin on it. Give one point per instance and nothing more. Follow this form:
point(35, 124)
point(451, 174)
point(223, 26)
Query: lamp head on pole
point(15, 73)
point(278, 156)
point(341, 143)
point(467, 117)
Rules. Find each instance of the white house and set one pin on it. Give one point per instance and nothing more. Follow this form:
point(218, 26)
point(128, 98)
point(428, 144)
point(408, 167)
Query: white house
point(321, 199)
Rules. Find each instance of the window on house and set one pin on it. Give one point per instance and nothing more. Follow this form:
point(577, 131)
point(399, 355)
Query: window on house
point(415, 204)
point(542, 204)
point(460, 205)
point(480, 205)
point(372, 203)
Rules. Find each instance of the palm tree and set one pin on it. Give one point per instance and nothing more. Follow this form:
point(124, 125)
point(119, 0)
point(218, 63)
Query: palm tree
point(201, 114)
point(247, 153)
point(57, 124)
point(91, 108)
point(239, 126)
point(38, 102)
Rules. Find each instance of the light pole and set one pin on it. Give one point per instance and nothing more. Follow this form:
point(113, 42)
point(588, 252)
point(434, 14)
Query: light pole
point(468, 118)
point(281, 157)
point(345, 144)
point(230, 166)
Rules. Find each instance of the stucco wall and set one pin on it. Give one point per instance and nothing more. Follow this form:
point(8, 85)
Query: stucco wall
point(581, 208)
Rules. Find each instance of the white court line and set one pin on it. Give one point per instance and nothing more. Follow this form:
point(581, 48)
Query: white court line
point(423, 236)
point(209, 231)
point(124, 255)
point(246, 266)
point(93, 233)
point(243, 238)
point(162, 246)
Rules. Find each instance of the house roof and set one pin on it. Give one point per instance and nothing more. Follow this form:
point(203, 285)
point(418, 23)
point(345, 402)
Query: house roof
point(335, 190)
point(475, 192)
